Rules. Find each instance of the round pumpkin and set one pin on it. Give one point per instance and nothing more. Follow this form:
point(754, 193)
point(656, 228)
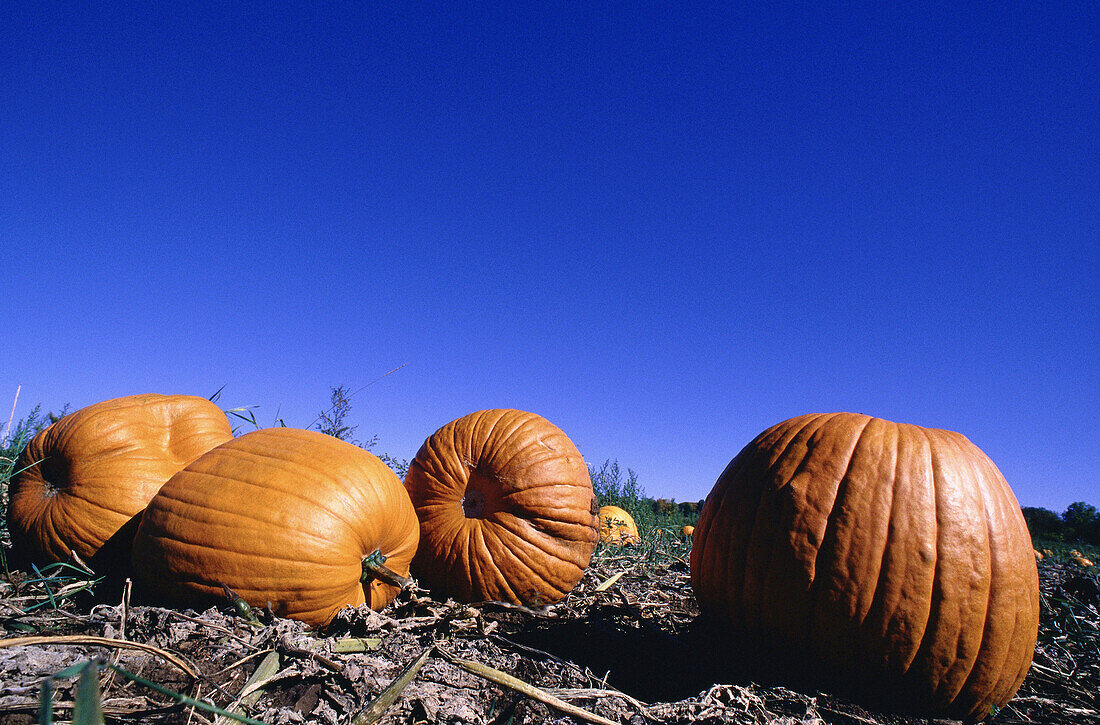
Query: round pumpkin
point(506, 509)
point(283, 517)
point(85, 478)
point(892, 559)
point(617, 527)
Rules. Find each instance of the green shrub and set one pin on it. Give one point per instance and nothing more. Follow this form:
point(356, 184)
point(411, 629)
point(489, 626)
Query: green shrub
point(613, 488)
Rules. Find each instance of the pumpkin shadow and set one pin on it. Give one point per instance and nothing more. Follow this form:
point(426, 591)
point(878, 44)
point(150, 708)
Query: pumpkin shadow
point(112, 562)
point(644, 661)
point(653, 665)
point(110, 566)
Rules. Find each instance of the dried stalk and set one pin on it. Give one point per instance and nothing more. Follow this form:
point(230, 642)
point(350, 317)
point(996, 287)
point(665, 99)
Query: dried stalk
point(606, 584)
point(505, 680)
point(7, 428)
point(90, 641)
point(377, 709)
point(250, 693)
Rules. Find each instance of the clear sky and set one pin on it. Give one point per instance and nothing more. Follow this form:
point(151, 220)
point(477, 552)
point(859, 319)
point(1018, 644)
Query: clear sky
point(663, 226)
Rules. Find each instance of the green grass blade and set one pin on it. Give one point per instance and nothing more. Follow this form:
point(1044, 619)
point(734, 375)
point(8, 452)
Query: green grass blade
point(45, 703)
point(15, 473)
point(244, 413)
point(78, 573)
point(87, 710)
point(13, 624)
point(184, 698)
point(68, 594)
point(70, 671)
point(49, 592)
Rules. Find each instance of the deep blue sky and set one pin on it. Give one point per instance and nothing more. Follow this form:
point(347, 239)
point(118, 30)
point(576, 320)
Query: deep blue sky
point(665, 227)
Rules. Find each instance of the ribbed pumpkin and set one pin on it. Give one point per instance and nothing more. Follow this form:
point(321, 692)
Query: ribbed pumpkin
point(86, 476)
point(506, 509)
point(617, 527)
point(283, 517)
point(893, 559)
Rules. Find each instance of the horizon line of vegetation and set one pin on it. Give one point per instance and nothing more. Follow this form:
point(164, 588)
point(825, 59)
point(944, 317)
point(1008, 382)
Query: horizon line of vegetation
point(1080, 522)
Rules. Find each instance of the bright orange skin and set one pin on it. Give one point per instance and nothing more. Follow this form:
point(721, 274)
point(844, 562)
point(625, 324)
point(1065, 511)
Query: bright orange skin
point(506, 509)
point(87, 475)
point(892, 558)
point(282, 517)
point(617, 526)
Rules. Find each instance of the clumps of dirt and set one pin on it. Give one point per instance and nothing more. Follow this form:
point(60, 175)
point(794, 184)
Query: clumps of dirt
point(623, 647)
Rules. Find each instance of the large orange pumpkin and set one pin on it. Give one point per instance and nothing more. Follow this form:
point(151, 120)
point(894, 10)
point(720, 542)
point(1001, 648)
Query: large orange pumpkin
point(893, 559)
point(506, 509)
point(86, 476)
point(283, 517)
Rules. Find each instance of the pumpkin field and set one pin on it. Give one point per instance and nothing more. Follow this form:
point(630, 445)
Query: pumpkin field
point(243, 579)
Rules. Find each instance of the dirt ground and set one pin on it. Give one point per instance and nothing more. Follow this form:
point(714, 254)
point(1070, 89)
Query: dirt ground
point(623, 647)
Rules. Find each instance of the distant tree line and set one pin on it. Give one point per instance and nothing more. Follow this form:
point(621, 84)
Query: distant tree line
point(1080, 522)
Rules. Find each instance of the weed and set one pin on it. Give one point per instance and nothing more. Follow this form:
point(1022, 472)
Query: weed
point(11, 448)
point(334, 420)
point(659, 522)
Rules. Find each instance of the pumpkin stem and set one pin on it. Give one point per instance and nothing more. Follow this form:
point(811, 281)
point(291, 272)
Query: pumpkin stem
point(374, 568)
